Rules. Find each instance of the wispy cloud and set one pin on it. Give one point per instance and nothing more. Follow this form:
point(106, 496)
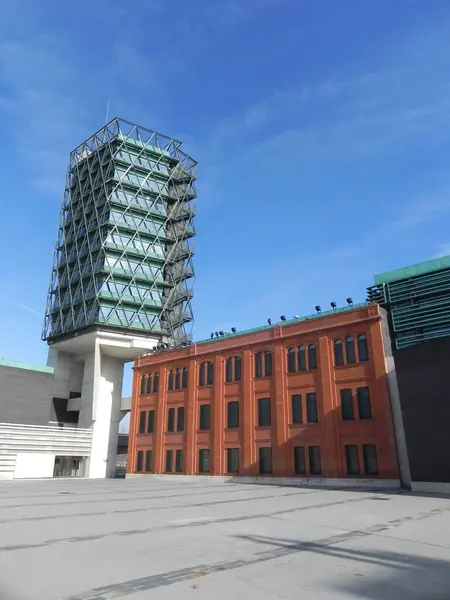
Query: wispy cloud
point(21, 305)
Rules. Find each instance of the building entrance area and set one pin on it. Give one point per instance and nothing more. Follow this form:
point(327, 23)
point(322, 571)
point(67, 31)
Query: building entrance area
point(69, 466)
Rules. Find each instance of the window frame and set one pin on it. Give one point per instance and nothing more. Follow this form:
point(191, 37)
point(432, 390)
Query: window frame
point(177, 385)
point(338, 352)
point(347, 404)
point(301, 358)
point(360, 401)
point(202, 454)
point(365, 447)
point(350, 352)
point(184, 378)
point(140, 461)
point(170, 380)
point(296, 410)
point(291, 360)
point(258, 365)
point(301, 459)
point(312, 357)
point(148, 461)
point(232, 404)
point(155, 383)
point(229, 460)
point(261, 459)
point(361, 342)
point(237, 368)
point(204, 408)
point(179, 460)
point(142, 422)
point(143, 384)
point(260, 412)
point(352, 454)
point(148, 385)
point(180, 411)
point(308, 399)
point(311, 451)
point(168, 461)
point(170, 420)
point(229, 370)
point(151, 418)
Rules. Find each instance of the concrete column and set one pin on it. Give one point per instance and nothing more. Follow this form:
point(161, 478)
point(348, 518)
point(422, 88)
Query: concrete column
point(160, 422)
point(218, 408)
point(247, 415)
point(280, 414)
point(191, 420)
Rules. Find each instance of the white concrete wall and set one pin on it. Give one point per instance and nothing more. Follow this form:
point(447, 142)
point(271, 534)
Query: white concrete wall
point(34, 465)
point(68, 375)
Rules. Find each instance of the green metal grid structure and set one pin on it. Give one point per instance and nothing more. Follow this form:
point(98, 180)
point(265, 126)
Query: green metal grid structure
point(124, 250)
point(417, 299)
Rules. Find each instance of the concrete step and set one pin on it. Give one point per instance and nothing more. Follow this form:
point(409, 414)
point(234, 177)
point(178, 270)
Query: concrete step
point(7, 465)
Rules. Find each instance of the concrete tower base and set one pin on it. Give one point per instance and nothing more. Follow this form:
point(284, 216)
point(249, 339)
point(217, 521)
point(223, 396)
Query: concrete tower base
point(90, 367)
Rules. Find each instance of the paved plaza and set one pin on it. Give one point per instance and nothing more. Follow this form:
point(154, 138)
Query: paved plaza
point(205, 539)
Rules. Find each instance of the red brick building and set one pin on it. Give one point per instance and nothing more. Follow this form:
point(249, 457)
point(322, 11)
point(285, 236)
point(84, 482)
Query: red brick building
point(306, 397)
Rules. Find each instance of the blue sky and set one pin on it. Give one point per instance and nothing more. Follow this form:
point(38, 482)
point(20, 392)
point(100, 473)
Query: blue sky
point(321, 130)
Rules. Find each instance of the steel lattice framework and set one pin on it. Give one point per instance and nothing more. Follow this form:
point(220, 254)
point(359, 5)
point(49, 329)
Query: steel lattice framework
point(124, 250)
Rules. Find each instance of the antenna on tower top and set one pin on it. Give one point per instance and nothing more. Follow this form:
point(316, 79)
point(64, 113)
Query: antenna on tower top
point(107, 110)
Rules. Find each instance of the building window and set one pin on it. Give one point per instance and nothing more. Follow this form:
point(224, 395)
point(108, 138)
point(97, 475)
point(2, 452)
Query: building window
point(148, 387)
point(151, 422)
point(201, 376)
point(350, 350)
point(232, 460)
point(178, 461)
point(229, 370)
point(204, 461)
point(142, 417)
point(233, 414)
point(312, 357)
point(370, 459)
point(171, 419)
point(264, 417)
point(177, 379)
point(296, 406)
point(364, 407)
point(267, 364)
point(143, 384)
point(258, 365)
point(148, 461)
point(338, 353)
point(299, 460)
point(206, 373)
point(155, 383)
point(140, 461)
point(311, 408)
point(363, 353)
point(237, 368)
point(301, 357)
point(291, 360)
point(265, 461)
point(169, 461)
point(184, 378)
point(348, 414)
point(180, 418)
point(315, 466)
point(352, 460)
point(205, 417)
point(171, 380)
point(209, 373)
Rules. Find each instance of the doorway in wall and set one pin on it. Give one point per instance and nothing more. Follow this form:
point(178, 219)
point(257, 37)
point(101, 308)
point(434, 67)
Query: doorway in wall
point(69, 466)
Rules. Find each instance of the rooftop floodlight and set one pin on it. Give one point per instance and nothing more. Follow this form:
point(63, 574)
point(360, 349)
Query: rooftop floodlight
point(212, 335)
point(296, 317)
point(217, 334)
point(233, 330)
point(333, 305)
point(350, 301)
point(283, 318)
point(318, 308)
point(269, 321)
point(221, 333)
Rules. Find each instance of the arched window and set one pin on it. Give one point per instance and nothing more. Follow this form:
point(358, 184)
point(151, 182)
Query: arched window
point(148, 387)
point(184, 378)
point(291, 360)
point(350, 350)
point(178, 379)
point(155, 382)
point(171, 377)
point(267, 363)
point(258, 364)
point(363, 352)
point(301, 357)
point(312, 358)
point(229, 370)
point(237, 368)
point(210, 373)
point(143, 383)
point(338, 353)
point(201, 375)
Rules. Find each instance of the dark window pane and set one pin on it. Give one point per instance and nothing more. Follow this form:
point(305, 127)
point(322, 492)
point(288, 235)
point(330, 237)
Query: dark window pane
point(291, 360)
point(348, 413)
point(205, 417)
point(311, 408)
point(229, 370)
point(350, 350)
point(184, 379)
point(151, 422)
point(301, 357)
point(171, 378)
point(148, 461)
point(299, 460)
point(169, 461)
point(142, 417)
point(180, 419)
point(258, 365)
point(338, 353)
point(264, 417)
point(148, 387)
point(237, 368)
point(203, 461)
point(312, 357)
point(267, 364)
point(364, 407)
point(201, 377)
point(363, 352)
point(143, 382)
point(155, 382)
point(315, 466)
point(210, 374)
point(140, 461)
point(265, 460)
point(296, 405)
point(178, 461)
point(352, 460)
point(171, 420)
point(233, 414)
point(177, 379)
point(370, 459)
point(232, 460)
